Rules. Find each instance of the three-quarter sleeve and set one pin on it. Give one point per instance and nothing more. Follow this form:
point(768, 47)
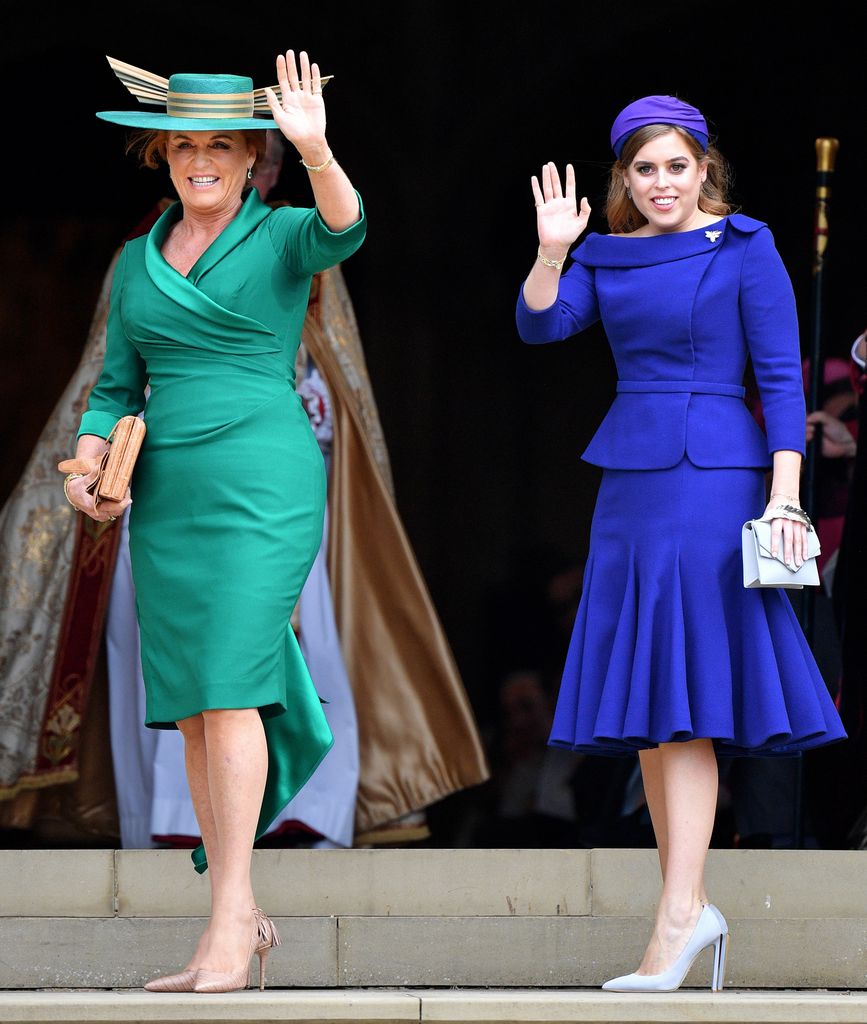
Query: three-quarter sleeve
point(770, 320)
point(575, 309)
point(305, 243)
point(121, 385)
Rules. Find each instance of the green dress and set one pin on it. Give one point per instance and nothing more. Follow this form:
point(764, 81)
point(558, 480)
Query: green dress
point(229, 489)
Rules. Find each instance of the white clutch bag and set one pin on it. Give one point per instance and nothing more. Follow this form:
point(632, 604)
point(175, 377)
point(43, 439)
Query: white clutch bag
point(762, 569)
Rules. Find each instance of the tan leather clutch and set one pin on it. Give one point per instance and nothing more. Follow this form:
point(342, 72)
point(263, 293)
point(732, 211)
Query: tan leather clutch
point(116, 465)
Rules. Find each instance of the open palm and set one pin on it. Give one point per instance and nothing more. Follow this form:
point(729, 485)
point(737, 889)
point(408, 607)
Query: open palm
point(300, 111)
point(558, 217)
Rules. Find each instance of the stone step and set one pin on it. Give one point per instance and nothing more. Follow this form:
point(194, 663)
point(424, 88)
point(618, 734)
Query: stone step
point(760, 884)
point(464, 1006)
point(350, 918)
point(355, 952)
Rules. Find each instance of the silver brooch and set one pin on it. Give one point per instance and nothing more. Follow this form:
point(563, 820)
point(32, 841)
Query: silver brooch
point(712, 235)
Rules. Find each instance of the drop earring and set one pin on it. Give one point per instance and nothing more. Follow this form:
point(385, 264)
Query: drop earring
point(249, 174)
point(628, 192)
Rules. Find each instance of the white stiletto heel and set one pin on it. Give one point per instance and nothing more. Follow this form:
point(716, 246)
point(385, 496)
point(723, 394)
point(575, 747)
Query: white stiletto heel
point(710, 930)
point(720, 952)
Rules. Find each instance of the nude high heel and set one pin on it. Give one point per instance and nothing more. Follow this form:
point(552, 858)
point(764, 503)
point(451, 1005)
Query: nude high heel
point(182, 982)
point(710, 930)
point(264, 938)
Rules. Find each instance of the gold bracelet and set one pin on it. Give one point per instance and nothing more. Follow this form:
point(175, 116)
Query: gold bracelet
point(66, 479)
point(556, 264)
point(318, 168)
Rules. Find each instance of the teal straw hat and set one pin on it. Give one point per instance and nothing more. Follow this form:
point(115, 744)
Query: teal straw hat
point(192, 102)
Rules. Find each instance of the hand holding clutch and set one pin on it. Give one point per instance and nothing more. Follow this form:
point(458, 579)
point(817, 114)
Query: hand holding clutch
point(112, 472)
point(762, 569)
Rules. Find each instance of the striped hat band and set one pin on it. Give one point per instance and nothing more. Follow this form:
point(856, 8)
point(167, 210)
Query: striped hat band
point(203, 104)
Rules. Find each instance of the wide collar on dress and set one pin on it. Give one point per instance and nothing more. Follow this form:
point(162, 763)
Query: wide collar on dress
point(647, 251)
point(185, 290)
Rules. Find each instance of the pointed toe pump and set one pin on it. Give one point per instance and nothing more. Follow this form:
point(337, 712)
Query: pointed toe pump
point(265, 938)
point(710, 930)
point(182, 982)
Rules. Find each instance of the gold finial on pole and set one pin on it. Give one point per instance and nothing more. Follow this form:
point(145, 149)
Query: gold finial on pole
point(826, 153)
point(826, 156)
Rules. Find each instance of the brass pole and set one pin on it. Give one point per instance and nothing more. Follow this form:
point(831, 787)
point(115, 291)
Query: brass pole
point(826, 155)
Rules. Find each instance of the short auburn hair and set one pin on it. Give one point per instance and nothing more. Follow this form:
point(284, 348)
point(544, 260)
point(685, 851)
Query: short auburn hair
point(622, 213)
point(150, 146)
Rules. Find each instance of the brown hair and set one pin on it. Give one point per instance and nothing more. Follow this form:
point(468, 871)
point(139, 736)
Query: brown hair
point(622, 213)
point(150, 146)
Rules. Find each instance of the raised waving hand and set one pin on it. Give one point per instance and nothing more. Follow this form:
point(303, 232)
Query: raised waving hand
point(300, 112)
point(559, 221)
point(558, 217)
point(300, 115)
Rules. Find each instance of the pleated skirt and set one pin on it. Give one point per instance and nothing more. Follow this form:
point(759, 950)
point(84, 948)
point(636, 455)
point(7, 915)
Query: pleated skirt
point(668, 645)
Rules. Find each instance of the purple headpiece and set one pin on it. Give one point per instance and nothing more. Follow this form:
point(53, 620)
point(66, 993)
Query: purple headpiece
point(657, 110)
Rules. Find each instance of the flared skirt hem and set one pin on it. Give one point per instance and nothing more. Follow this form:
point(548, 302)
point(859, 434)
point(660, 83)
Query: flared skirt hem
point(668, 645)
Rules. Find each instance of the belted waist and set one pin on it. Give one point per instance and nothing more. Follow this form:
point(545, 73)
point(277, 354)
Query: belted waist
point(698, 387)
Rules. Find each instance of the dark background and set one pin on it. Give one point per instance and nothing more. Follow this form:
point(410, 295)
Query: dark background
point(440, 113)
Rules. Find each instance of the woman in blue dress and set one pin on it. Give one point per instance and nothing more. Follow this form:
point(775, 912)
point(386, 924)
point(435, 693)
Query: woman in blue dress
point(671, 656)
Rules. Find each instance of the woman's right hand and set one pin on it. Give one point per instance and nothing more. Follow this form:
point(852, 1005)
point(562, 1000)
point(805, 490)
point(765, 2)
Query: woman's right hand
point(83, 501)
point(87, 462)
point(558, 218)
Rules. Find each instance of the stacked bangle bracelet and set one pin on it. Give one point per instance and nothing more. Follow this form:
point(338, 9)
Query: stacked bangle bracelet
point(556, 264)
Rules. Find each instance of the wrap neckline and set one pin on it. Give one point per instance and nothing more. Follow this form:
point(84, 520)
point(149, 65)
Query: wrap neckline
point(185, 291)
point(251, 214)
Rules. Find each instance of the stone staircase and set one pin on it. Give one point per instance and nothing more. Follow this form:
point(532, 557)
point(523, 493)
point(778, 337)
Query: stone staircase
point(396, 935)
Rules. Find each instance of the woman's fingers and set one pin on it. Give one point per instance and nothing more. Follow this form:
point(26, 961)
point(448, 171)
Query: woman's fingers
point(78, 488)
point(305, 71)
point(776, 534)
point(801, 544)
point(109, 510)
point(273, 102)
point(552, 187)
point(555, 181)
point(77, 494)
point(570, 181)
point(316, 78)
point(292, 70)
point(788, 542)
point(115, 508)
point(282, 75)
point(790, 538)
point(547, 188)
point(84, 501)
point(557, 219)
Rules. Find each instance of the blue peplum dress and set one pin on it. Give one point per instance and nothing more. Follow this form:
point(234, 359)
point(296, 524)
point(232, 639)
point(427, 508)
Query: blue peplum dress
point(668, 645)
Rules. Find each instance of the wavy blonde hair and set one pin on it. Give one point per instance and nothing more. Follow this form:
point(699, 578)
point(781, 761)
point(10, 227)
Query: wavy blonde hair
point(622, 213)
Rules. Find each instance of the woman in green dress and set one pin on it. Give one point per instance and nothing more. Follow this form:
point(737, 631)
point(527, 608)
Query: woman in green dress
point(229, 487)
